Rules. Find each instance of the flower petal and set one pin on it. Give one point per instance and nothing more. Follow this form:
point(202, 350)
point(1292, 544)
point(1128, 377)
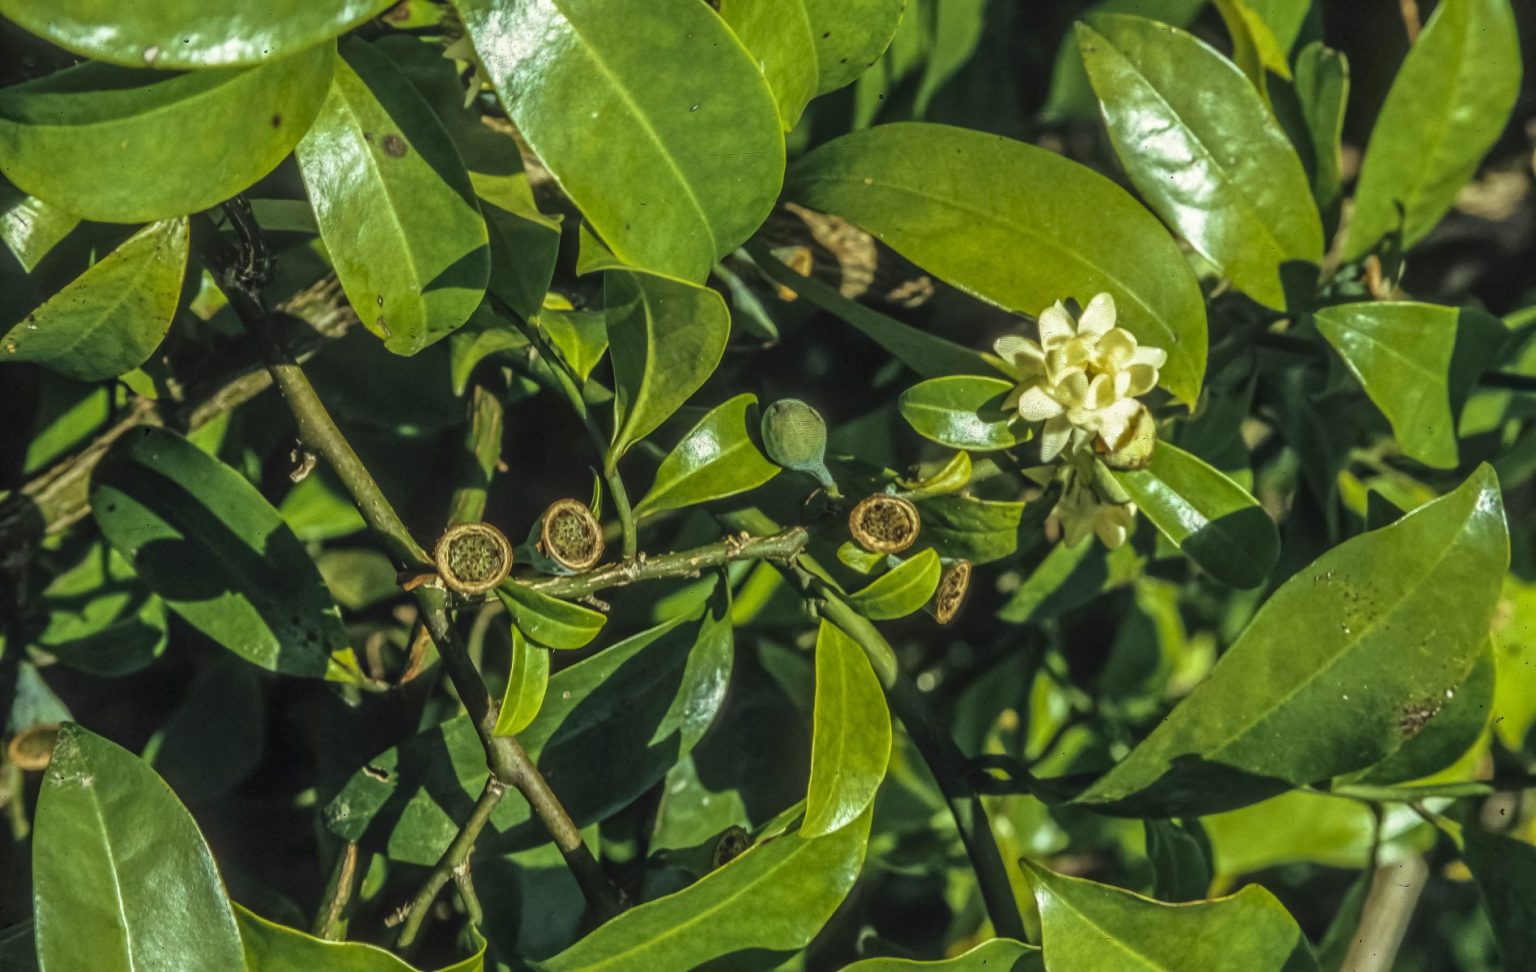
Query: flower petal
point(1117, 421)
point(1055, 326)
point(1100, 393)
point(1098, 318)
point(1036, 404)
point(1021, 354)
point(1116, 348)
point(1054, 436)
point(1139, 379)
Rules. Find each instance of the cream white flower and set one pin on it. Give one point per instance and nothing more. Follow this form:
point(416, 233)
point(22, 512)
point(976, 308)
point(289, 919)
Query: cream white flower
point(1081, 512)
point(1082, 379)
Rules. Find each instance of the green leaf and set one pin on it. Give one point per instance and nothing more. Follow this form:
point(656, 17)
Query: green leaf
point(1322, 88)
point(1416, 362)
point(524, 242)
point(1254, 46)
point(993, 955)
point(1300, 826)
point(1212, 519)
point(581, 336)
point(1016, 225)
point(900, 591)
point(715, 459)
point(206, 541)
point(851, 743)
point(1446, 108)
point(610, 728)
point(1320, 682)
point(703, 152)
point(31, 228)
point(1505, 872)
point(121, 877)
point(131, 146)
point(981, 531)
point(774, 897)
point(1071, 95)
point(550, 621)
point(270, 947)
point(1090, 927)
point(665, 337)
point(526, 684)
point(778, 34)
point(927, 354)
point(964, 412)
point(189, 33)
point(111, 318)
point(101, 620)
point(850, 36)
point(1181, 859)
point(396, 208)
point(1204, 151)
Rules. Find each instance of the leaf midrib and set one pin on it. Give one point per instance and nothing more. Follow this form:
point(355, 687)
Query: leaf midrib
point(117, 886)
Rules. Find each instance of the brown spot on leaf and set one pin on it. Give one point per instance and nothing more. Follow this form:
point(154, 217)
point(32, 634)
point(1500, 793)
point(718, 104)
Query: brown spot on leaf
point(394, 145)
point(277, 121)
point(1417, 715)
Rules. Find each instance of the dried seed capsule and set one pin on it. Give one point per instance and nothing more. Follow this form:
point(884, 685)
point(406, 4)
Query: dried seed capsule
point(954, 584)
point(571, 536)
point(472, 558)
point(32, 748)
point(884, 523)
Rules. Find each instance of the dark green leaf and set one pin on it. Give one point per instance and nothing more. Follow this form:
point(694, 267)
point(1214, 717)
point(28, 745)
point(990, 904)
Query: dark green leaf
point(1180, 855)
point(395, 206)
point(665, 336)
point(121, 877)
point(527, 681)
point(703, 152)
point(130, 146)
point(189, 33)
point(1505, 871)
point(1446, 108)
point(850, 36)
point(900, 591)
point(776, 897)
point(1088, 927)
point(1016, 225)
point(110, 318)
point(212, 741)
point(964, 412)
point(1416, 361)
point(1329, 675)
point(524, 242)
point(978, 530)
point(610, 728)
point(715, 459)
point(995, 955)
point(18, 948)
point(101, 620)
point(270, 947)
point(851, 744)
point(1071, 95)
point(206, 541)
point(1202, 148)
point(549, 621)
point(1322, 88)
point(1213, 520)
point(778, 34)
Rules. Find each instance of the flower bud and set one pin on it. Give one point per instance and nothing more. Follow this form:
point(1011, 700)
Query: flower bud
point(884, 523)
point(472, 558)
point(571, 536)
point(1133, 449)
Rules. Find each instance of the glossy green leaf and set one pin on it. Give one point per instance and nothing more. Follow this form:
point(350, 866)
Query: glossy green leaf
point(1071, 95)
point(774, 897)
point(527, 683)
point(396, 208)
point(610, 728)
point(189, 33)
point(715, 459)
point(1016, 225)
point(994, 955)
point(524, 242)
point(665, 337)
point(1216, 522)
point(29, 227)
point(702, 152)
point(1322, 680)
point(1416, 361)
point(549, 621)
point(978, 530)
point(1204, 151)
point(964, 412)
point(1447, 106)
point(927, 354)
point(270, 947)
point(206, 541)
point(851, 742)
point(1089, 927)
point(131, 146)
point(850, 36)
point(1288, 20)
point(101, 620)
point(901, 590)
point(777, 33)
point(581, 337)
point(1322, 88)
point(1505, 871)
point(1254, 46)
point(111, 318)
point(121, 877)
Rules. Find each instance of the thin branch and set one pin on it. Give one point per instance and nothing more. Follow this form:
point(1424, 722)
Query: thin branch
point(338, 893)
point(780, 547)
point(455, 858)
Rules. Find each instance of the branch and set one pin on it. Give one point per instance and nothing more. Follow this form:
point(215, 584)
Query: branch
point(781, 547)
point(454, 859)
